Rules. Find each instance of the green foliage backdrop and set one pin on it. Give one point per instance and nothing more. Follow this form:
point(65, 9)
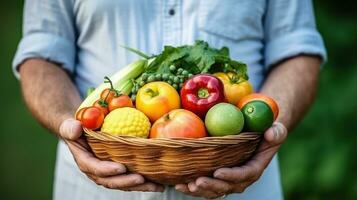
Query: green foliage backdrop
point(318, 161)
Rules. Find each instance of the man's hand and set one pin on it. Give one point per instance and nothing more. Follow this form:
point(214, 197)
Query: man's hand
point(237, 179)
point(52, 98)
point(108, 174)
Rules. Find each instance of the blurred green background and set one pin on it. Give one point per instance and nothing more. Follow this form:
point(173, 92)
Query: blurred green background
point(318, 161)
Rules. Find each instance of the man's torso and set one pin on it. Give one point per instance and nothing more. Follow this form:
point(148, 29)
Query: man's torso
point(103, 26)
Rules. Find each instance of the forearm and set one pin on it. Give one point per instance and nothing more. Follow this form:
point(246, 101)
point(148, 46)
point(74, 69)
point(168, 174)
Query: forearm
point(48, 92)
point(293, 84)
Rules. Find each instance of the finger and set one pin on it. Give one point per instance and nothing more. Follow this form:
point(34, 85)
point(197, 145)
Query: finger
point(253, 169)
point(208, 194)
point(119, 182)
point(276, 134)
point(84, 144)
point(89, 164)
point(273, 138)
point(248, 172)
point(70, 129)
point(146, 187)
point(185, 188)
point(217, 186)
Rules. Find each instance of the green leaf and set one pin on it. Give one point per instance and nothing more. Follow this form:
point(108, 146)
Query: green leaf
point(136, 51)
point(163, 61)
point(197, 58)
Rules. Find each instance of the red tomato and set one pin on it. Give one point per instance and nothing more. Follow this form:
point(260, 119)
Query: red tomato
point(178, 123)
point(119, 102)
point(92, 118)
point(107, 97)
point(80, 113)
point(101, 105)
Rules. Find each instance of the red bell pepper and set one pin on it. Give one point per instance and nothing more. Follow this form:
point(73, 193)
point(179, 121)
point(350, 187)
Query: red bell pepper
point(201, 92)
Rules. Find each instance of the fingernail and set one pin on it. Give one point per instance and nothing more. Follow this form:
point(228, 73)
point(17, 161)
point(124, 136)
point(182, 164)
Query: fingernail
point(201, 183)
point(139, 180)
point(192, 187)
point(218, 174)
point(64, 129)
point(119, 169)
point(276, 132)
point(68, 129)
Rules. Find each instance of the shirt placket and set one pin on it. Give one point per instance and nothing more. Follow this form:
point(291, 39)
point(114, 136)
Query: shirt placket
point(172, 22)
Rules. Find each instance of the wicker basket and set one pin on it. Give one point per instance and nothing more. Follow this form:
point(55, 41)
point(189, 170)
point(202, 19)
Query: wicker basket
point(172, 161)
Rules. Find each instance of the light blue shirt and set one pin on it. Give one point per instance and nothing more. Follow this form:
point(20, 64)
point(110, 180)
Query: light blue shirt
point(84, 37)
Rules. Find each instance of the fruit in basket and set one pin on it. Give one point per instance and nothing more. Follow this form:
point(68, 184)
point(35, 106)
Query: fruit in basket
point(201, 92)
point(156, 99)
point(101, 104)
point(173, 65)
point(260, 97)
point(119, 102)
point(79, 113)
point(126, 121)
point(91, 117)
point(258, 116)
point(224, 119)
point(108, 94)
point(235, 88)
point(178, 123)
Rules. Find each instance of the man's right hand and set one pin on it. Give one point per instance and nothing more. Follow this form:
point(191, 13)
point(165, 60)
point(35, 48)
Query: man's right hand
point(106, 173)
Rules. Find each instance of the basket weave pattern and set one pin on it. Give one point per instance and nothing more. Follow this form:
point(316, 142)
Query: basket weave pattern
point(172, 161)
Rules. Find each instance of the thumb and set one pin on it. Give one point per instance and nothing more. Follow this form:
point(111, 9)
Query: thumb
point(276, 134)
point(70, 129)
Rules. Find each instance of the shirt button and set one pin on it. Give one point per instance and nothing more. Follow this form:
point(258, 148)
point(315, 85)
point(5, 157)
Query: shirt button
point(171, 12)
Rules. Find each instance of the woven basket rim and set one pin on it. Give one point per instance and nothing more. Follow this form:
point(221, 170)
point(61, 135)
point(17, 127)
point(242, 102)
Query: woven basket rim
point(173, 142)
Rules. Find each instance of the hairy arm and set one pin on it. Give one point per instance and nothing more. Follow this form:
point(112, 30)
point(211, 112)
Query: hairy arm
point(292, 84)
point(52, 98)
point(48, 92)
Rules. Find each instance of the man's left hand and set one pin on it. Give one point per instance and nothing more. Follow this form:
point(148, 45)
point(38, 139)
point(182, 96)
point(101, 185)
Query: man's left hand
point(235, 180)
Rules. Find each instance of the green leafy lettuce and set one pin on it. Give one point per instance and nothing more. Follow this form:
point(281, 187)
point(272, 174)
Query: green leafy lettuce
point(197, 58)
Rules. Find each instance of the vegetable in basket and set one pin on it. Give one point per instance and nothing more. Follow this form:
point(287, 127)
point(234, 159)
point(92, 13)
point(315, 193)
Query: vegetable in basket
point(126, 121)
point(122, 81)
point(173, 65)
point(91, 117)
point(235, 88)
point(201, 92)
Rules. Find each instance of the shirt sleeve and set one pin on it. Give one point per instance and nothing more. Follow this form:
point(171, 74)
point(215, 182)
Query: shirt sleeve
point(290, 30)
point(48, 33)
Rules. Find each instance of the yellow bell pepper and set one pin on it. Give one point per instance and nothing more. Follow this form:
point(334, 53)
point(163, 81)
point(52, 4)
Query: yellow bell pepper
point(234, 88)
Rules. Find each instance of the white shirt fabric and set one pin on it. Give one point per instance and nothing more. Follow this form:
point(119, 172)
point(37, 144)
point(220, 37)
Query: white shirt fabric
point(84, 37)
